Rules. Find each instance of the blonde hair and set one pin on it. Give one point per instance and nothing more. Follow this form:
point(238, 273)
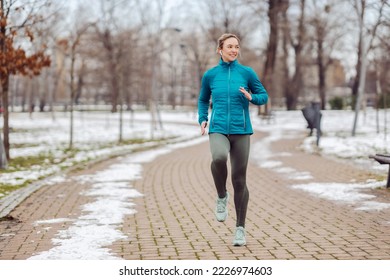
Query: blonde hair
point(224, 37)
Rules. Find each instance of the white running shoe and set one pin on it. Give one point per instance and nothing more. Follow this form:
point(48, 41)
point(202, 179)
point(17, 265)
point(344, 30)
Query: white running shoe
point(221, 211)
point(239, 237)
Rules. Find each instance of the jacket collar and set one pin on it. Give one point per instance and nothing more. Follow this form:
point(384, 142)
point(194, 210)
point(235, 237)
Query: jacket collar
point(227, 64)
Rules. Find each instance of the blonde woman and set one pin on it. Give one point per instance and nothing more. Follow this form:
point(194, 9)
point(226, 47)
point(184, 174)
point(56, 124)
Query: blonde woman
point(231, 87)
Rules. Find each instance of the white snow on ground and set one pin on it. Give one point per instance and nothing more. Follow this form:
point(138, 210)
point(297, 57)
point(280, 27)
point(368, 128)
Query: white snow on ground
point(52, 221)
point(88, 237)
point(346, 193)
point(98, 226)
point(336, 141)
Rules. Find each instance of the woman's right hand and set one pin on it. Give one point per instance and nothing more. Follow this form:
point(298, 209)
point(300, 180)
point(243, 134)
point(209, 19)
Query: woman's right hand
point(203, 127)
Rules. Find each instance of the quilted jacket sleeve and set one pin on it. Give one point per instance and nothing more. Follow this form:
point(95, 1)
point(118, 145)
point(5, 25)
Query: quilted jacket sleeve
point(259, 93)
point(204, 99)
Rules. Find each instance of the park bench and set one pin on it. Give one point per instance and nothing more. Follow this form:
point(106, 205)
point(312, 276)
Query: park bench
point(383, 159)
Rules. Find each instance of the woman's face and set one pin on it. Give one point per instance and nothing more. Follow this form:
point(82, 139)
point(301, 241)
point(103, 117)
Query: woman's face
point(230, 50)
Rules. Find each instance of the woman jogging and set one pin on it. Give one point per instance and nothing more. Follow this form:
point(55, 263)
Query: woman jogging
point(231, 87)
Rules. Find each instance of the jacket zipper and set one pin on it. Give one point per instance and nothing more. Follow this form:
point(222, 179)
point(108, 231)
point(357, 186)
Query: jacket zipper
point(228, 123)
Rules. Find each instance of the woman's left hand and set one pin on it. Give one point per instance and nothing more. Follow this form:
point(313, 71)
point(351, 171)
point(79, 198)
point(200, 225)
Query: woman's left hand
point(247, 94)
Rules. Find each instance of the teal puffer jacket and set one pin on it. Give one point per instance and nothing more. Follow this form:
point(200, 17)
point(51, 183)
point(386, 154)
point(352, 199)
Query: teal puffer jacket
point(230, 108)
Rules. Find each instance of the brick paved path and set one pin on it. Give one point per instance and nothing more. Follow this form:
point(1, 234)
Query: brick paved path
point(175, 220)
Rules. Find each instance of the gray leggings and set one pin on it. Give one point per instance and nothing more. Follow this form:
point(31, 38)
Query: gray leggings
point(238, 146)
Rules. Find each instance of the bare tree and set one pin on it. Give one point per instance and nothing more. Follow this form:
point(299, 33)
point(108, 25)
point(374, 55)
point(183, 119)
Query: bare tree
point(107, 30)
point(362, 8)
point(50, 33)
point(366, 40)
point(197, 52)
point(274, 9)
point(60, 50)
point(327, 32)
point(152, 17)
point(74, 42)
point(298, 42)
point(226, 16)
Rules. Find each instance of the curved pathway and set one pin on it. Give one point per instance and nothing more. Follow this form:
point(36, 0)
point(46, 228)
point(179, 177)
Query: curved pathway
point(291, 213)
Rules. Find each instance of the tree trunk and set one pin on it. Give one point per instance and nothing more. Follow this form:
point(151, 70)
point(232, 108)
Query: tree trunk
point(362, 84)
point(355, 85)
point(296, 84)
point(273, 12)
point(114, 86)
point(3, 158)
point(72, 95)
point(321, 74)
point(4, 90)
point(108, 45)
point(294, 89)
point(4, 81)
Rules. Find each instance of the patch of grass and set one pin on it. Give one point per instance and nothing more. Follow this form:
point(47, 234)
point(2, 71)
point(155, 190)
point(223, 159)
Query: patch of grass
point(41, 161)
point(21, 163)
point(6, 189)
point(23, 145)
point(142, 141)
point(133, 141)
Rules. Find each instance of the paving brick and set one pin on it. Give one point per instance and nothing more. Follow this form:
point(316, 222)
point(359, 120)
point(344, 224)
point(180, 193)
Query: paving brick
point(175, 219)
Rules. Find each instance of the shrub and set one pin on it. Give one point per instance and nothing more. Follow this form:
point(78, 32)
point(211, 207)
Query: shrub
point(381, 101)
point(336, 103)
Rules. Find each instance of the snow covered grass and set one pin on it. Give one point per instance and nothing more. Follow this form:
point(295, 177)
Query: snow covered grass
point(337, 140)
